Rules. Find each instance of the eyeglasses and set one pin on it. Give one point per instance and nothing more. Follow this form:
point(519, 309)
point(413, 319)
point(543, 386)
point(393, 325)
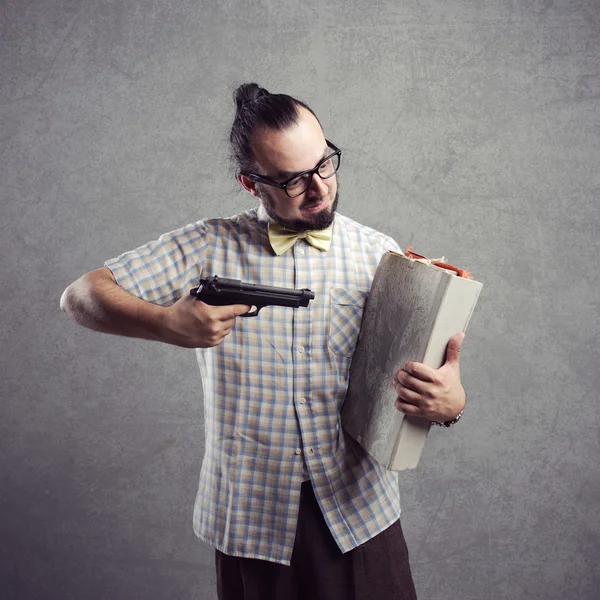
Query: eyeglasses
point(300, 182)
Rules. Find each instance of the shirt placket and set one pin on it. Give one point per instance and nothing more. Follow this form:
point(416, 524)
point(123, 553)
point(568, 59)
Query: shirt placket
point(303, 353)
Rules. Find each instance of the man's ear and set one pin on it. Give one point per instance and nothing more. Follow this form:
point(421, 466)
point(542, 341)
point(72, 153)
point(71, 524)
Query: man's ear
point(247, 184)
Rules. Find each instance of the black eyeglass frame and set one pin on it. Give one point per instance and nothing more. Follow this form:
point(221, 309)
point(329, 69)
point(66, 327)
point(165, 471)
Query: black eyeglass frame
point(283, 185)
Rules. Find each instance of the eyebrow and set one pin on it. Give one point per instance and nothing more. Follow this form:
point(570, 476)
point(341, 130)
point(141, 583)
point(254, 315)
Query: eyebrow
point(286, 174)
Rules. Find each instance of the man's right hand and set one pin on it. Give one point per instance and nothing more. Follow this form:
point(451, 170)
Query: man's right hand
point(191, 323)
point(97, 302)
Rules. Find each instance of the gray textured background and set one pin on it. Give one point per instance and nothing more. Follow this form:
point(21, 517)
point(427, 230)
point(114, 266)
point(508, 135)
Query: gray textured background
point(470, 128)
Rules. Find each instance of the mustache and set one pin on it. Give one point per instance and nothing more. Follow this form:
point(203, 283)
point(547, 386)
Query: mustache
point(312, 203)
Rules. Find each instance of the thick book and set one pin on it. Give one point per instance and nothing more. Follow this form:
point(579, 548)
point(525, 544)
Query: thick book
point(414, 307)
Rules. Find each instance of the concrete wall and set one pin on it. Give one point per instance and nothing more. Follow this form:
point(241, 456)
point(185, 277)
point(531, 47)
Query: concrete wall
point(469, 129)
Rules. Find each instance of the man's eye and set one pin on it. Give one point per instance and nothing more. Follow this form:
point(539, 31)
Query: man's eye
point(300, 180)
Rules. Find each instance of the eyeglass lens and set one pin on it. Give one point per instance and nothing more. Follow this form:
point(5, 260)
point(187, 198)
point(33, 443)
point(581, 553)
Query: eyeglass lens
point(326, 169)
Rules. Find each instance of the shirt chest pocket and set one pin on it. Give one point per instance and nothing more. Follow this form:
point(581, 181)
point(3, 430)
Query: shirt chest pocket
point(346, 310)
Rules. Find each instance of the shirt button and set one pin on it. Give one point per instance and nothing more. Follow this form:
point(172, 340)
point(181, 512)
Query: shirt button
point(298, 451)
point(302, 400)
point(301, 349)
point(301, 251)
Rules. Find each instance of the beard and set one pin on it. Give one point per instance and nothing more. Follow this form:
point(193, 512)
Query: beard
point(321, 220)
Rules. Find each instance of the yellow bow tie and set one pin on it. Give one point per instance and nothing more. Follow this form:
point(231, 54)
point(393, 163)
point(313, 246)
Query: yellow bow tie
point(282, 238)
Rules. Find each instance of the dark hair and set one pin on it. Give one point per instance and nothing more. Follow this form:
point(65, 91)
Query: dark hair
point(256, 107)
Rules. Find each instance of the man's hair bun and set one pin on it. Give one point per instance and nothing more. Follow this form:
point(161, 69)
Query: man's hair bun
point(248, 93)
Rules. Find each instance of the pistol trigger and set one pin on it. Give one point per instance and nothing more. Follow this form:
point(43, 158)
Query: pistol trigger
point(252, 313)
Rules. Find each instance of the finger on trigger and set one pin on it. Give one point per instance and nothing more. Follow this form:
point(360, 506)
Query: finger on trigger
point(241, 309)
point(229, 312)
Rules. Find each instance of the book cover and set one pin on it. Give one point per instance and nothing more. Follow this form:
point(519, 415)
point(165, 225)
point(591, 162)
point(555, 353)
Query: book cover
point(414, 307)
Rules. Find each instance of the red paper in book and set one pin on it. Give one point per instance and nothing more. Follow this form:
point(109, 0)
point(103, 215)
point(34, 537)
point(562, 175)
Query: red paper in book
point(437, 262)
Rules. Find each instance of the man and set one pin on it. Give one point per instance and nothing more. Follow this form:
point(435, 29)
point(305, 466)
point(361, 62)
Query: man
point(293, 505)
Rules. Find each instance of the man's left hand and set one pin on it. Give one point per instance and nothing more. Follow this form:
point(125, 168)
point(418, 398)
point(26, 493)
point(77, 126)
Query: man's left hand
point(435, 394)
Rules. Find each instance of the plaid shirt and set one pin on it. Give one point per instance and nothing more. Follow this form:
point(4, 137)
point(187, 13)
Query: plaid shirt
point(274, 387)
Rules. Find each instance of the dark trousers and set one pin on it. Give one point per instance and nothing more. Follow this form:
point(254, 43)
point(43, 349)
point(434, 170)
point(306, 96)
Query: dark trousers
point(376, 570)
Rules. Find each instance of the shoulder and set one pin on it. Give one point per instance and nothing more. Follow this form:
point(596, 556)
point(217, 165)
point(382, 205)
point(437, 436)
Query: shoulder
point(214, 227)
point(362, 234)
point(242, 221)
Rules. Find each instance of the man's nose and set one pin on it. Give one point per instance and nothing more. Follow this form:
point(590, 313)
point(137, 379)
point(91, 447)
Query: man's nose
point(318, 187)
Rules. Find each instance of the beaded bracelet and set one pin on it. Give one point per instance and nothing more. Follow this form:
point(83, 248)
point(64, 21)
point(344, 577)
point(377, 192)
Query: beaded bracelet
point(451, 422)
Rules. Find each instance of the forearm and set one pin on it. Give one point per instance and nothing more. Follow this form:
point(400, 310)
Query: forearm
point(98, 303)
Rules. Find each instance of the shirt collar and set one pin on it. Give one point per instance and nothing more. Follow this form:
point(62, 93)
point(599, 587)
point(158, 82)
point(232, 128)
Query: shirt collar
point(262, 215)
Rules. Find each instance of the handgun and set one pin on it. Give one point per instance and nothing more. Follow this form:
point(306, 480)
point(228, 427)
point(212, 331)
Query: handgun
point(219, 291)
